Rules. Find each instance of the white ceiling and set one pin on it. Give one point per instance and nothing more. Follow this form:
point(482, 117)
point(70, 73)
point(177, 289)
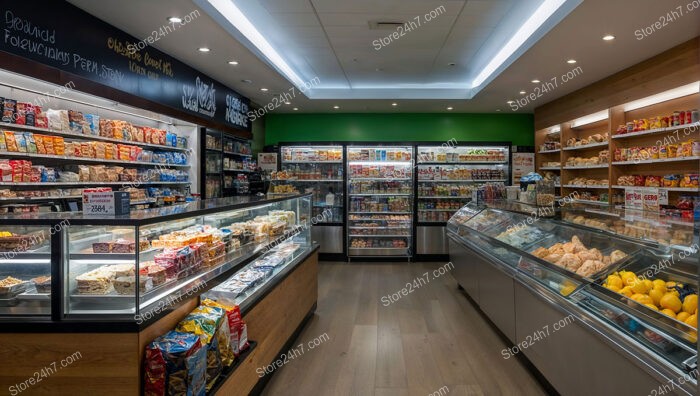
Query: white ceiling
point(332, 38)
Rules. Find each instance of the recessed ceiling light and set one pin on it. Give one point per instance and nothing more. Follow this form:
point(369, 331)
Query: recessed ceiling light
point(498, 109)
point(204, 49)
point(535, 81)
point(174, 20)
point(247, 81)
point(449, 108)
point(522, 92)
point(379, 69)
point(336, 107)
point(571, 61)
point(451, 64)
point(263, 89)
point(287, 103)
point(394, 104)
point(295, 109)
point(608, 37)
point(232, 63)
point(510, 101)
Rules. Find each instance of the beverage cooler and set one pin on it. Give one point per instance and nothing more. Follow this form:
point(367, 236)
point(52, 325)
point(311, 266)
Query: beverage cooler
point(317, 169)
point(380, 201)
point(446, 176)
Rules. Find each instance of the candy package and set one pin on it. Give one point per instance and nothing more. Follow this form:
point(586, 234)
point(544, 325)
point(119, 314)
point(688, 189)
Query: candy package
point(175, 364)
point(9, 106)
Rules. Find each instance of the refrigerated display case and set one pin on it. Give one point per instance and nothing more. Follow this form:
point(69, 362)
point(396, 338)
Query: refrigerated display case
point(380, 201)
point(318, 169)
point(446, 177)
point(630, 305)
point(229, 168)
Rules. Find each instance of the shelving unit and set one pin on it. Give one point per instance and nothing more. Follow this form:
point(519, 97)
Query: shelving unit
point(380, 188)
point(220, 178)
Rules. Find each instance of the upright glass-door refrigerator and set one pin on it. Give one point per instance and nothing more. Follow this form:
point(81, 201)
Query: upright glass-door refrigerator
point(318, 169)
point(380, 201)
point(446, 175)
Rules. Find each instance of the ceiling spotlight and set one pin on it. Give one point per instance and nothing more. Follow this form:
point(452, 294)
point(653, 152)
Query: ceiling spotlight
point(535, 81)
point(287, 103)
point(204, 49)
point(232, 63)
point(451, 64)
point(394, 104)
point(264, 89)
point(498, 109)
point(295, 109)
point(247, 81)
point(571, 61)
point(449, 108)
point(608, 37)
point(522, 92)
point(336, 107)
point(510, 101)
point(174, 20)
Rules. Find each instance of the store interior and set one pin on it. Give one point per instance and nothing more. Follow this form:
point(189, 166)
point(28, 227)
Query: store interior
point(291, 197)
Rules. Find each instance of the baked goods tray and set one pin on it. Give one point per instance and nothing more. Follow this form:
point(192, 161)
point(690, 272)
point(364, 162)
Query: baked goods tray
point(34, 296)
point(12, 291)
point(114, 297)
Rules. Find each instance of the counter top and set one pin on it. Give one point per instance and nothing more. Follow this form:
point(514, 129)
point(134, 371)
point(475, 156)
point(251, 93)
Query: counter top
point(146, 216)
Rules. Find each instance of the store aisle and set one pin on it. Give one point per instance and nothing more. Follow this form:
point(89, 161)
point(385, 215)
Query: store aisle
point(427, 340)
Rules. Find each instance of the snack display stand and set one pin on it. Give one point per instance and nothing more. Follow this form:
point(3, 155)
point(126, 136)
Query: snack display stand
point(108, 286)
point(555, 276)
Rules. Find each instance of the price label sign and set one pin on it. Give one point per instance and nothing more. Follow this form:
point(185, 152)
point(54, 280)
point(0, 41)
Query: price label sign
point(98, 203)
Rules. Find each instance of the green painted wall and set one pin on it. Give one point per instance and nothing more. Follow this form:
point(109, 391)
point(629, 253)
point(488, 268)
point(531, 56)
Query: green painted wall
point(400, 127)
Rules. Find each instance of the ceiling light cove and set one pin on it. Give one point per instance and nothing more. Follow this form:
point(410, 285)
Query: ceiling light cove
point(253, 23)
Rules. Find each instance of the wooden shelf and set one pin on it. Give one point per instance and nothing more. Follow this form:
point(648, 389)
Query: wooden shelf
point(587, 146)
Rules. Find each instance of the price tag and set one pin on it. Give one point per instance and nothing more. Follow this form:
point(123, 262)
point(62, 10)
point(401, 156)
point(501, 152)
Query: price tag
point(98, 203)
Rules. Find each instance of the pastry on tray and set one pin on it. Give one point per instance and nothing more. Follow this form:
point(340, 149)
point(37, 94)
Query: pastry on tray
point(98, 281)
point(127, 284)
point(42, 284)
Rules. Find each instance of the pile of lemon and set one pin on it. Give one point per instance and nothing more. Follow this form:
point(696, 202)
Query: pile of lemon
point(656, 294)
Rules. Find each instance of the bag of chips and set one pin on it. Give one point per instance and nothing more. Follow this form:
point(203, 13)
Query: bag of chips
point(175, 364)
point(223, 333)
point(205, 326)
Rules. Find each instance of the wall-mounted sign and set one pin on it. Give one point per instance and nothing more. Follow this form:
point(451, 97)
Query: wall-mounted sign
point(60, 35)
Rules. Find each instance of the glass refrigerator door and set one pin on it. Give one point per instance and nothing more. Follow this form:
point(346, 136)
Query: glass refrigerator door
point(316, 169)
point(380, 201)
point(213, 158)
point(447, 175)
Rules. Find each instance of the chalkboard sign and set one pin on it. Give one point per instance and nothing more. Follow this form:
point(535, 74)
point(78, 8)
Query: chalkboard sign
point(60, 35)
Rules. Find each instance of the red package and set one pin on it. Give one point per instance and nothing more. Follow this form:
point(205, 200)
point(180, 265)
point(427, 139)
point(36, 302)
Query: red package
point(40, 119)
point(21, 113)
point(652, 181)
point(639, 180)
point(36, 174)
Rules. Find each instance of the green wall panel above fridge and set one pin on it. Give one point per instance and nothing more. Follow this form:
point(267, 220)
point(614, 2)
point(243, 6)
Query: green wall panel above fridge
point(399, 127)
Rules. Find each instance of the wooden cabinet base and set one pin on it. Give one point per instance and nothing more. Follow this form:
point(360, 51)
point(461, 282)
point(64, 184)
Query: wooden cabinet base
point(110, 363)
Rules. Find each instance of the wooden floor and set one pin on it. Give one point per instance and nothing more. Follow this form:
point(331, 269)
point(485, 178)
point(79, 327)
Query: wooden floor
point(430, 339)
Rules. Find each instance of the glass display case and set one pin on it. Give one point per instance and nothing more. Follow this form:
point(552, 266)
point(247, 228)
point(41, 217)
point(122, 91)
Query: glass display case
point(25, 270)
point(124, 268)
point(447, 175)
point(638, 290)
point(380, 201)
point(316, 169)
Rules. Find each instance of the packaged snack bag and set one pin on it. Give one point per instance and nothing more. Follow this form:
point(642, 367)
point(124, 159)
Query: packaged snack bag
point(175, 364)
point(39, 140)
point(31, 144)
point(21, 142)
point(205, 325)
point(9, 107)
point(10, 141)
point(3, 144)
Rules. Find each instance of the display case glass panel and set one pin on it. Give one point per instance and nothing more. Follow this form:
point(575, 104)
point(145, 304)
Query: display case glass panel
point(380, 200)
point(129, 270)
point(25, 270)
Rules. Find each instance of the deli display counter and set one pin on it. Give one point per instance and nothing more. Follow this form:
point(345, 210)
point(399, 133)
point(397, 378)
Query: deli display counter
point(583, 301)
point(71, 281)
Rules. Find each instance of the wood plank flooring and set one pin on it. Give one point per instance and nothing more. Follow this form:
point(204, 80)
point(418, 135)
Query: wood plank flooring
point(429, 339)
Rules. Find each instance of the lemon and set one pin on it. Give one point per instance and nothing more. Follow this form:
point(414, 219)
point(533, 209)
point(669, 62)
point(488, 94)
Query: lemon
point(614, 280)
point(638, 286)
point(690, 303)
point(668, 312)
point(627, 291)
point(567, 289)
point(652, 306)
point(692, 320)
point(656, 295)
point(648, 284)
point(659, 283)
point(613, 288)
point(628, 278)
point(682, 316)
point(672, 302)
point(670, 284)
point(642, 298)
